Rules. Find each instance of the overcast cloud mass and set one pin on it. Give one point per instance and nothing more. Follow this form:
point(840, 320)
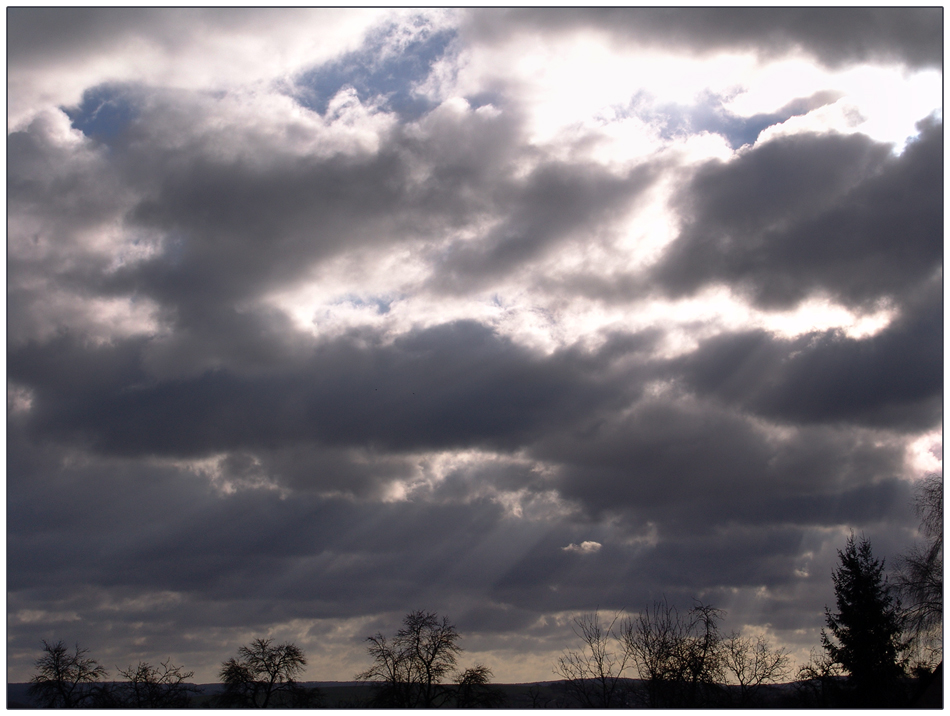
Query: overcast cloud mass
point(316, 317)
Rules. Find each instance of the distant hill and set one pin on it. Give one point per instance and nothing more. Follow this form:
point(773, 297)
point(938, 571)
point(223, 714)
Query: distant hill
point(344, 694)
point(543, 694)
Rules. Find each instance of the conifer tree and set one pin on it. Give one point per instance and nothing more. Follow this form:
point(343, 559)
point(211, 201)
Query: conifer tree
point(865, 634)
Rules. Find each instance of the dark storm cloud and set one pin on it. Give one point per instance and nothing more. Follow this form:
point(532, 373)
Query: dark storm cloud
point(47, 36)
point(48, 182)
point(163, 531)
point(50, 34)
point(680, 567)
point(813, 213)
point(241, 229)
point(453, 385)
point(739, 557)
point(691, 466)
point(893, 379)
point(834, 36)
point(314, 467)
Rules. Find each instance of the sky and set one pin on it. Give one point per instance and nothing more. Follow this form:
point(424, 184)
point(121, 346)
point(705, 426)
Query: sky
point(316, 317)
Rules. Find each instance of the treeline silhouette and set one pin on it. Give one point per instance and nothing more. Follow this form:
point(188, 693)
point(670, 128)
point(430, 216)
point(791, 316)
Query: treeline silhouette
point(875, 651)
point(681, 661)
point(261, 676)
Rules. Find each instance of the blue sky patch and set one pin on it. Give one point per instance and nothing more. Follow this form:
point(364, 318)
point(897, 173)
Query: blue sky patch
point(382, 303)
point(709, 115)
point(373, 72)
point(104, 113)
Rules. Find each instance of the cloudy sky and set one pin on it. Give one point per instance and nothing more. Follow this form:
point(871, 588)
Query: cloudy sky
point(316, 317)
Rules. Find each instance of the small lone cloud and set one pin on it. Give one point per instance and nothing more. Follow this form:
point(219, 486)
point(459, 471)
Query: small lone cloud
point(583, 547)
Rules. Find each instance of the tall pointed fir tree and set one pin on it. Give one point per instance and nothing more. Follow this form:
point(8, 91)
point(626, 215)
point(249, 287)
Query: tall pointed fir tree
point(866, 630)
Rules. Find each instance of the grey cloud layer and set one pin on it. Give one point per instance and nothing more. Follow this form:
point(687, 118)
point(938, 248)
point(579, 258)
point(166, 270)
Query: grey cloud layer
point(456, 385)
point(814, 213)
point(835, 36)
point(643, 464)
point(830, 378)
point(51, 36)
point(704, 472)
point(160, 532)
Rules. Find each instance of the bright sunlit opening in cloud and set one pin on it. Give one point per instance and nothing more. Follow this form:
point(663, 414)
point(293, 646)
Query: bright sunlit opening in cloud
point(883, 102)
point(767, 86)
point(925, 454)
point(822, 315)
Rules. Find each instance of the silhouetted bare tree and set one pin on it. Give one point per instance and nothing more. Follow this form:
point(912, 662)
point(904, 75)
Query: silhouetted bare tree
point(703, 653)
point(265, 675)
point(161, 687)
point(752, 663)
point(593, 675)
point(920, 575)
point(63, 678)
point(679, 659)
point(410, 669)
point(653, 641)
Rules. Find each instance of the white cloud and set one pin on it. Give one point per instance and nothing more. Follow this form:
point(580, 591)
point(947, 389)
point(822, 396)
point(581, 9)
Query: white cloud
point(191, 49)
point(586, 547)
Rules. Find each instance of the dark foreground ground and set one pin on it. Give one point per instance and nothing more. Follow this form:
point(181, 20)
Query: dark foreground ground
point(545, 694)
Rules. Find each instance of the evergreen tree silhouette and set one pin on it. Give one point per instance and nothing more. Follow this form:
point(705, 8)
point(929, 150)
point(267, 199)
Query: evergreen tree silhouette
point(866, 630)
